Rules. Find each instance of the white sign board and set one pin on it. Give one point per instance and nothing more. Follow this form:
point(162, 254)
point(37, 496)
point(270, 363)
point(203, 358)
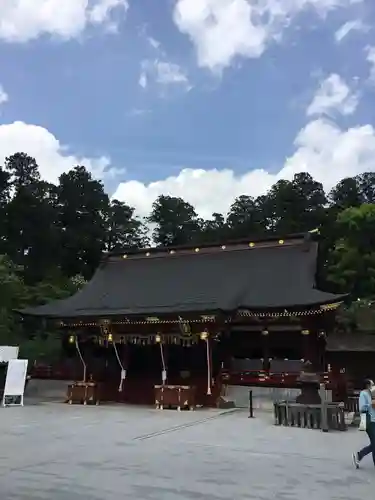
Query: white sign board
point(8, 352)
point(15, 382)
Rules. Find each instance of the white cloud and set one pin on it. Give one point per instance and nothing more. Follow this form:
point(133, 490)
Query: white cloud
point(168, 73)
point(24, 20)
point(321, 148)
point(348, 27)
point(3, 95)
point(53, 157)
point(162, 73)
point(155, 44)
point(221, 30)
point(139, 112)
point(371, 61)
point(324, 150)
point(143, 80)
point(333, 96)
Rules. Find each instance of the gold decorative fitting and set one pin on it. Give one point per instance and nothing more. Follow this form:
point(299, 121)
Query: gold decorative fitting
point(203, 319)
point(281, 242)
point(305, 332)
point(148, 254)
point(283, 314)
point(251, 244)
point(204, 336)
point(265, 332)
point(208, 318)
point(157, 338)
point(196, 250)
point(223, 247)
point(328, 307)
point(124, 256)
point(152, 319)
point(71, 339)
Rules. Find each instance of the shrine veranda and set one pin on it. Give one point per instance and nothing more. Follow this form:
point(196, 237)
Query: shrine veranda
point(194, 319)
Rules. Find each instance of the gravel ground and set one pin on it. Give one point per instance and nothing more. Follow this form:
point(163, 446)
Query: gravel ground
point(61, 452)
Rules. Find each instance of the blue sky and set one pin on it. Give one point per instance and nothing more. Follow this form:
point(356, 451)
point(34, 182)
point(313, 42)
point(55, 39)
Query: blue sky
point(204, 99)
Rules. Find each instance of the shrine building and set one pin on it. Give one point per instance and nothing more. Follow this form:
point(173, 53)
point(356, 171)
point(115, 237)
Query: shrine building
point(241, 313)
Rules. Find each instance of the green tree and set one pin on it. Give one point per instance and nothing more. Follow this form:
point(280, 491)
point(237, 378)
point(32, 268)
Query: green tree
point(245, 217)
point(31, 237)
point(358, 316)
point(351, 265)
point(34, 341)
point(175, 221)
point(82, 206)
point(124, 229)
point(294, 206)
point(13, 295)
point(346, 194)
point(366, 183)
point(213, 230)
point(4, 200)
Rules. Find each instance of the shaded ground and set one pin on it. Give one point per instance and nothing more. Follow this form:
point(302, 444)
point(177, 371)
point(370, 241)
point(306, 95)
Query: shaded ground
point(63, 452)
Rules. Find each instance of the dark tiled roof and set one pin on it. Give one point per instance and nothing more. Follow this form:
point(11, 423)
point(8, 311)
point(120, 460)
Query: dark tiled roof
point(222, 279)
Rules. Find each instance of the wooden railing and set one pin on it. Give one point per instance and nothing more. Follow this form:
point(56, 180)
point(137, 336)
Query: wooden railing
point(309, 416)
point(351, 405)
point(271, 379)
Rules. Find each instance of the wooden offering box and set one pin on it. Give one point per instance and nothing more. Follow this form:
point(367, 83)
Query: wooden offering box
point(175, 396)
point(84, 393)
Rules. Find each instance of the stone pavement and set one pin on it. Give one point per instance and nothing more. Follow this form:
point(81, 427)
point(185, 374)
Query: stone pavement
point(61, 452)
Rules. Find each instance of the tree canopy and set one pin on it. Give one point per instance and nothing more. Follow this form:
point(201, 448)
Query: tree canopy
point(52, 233)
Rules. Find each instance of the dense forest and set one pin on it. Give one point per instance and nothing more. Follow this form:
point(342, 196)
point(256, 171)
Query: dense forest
point(52, 236)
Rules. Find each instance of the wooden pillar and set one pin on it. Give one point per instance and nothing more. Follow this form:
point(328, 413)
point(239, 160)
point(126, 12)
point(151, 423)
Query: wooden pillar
point(321, 350)
point(226, 348)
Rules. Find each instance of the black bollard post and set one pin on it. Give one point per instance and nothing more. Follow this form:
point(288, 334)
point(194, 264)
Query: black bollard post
point(251, 408)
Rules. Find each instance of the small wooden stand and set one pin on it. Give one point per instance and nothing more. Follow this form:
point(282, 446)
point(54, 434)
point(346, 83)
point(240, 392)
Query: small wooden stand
point(175, 396)
point(84, 393)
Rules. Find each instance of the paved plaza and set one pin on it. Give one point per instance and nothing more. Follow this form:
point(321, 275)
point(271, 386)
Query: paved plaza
point(61, 452)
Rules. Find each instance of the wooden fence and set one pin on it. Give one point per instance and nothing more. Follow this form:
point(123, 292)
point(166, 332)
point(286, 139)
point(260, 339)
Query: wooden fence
point(351, 405)
point(311, 416)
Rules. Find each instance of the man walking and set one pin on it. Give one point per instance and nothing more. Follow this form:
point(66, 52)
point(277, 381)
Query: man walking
point(366, 406)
